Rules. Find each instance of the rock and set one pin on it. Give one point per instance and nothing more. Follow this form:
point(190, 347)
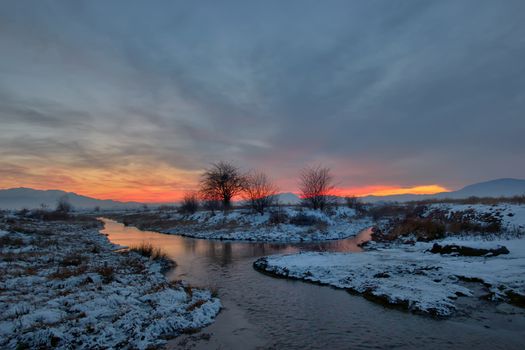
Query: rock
point(467, 251)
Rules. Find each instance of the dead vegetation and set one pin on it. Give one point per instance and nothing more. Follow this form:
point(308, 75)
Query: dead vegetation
point(147, 249)
point(68, 263)
point(425, 224)
point(476, 200)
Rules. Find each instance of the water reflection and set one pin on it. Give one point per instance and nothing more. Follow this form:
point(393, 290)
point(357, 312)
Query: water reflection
point(223, 252)
point(264, 312)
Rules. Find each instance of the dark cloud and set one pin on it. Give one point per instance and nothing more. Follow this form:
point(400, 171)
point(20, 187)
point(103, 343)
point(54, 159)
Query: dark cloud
point(405, 92)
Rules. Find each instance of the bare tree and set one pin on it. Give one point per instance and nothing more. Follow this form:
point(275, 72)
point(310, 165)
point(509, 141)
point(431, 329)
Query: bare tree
point(222, 181)
point(315, 184)
point(63, 205)
point(190, 203)
point(259, 191)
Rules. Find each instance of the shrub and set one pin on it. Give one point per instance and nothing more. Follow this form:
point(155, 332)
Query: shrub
point(278, 216)
point(425, 229)
point(302, 219)
point(107, 273)
point(355, 203)
point(190, 204)
point(63, 205)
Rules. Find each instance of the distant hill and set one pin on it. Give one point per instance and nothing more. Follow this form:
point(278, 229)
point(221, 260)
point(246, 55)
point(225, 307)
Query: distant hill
point(493, 188)
point(18, 198)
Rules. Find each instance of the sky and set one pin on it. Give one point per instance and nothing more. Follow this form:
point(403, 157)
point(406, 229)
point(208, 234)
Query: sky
point(131, 100)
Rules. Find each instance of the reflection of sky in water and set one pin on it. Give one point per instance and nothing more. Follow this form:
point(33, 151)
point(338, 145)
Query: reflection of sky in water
point(260, 311)
point(180, 247)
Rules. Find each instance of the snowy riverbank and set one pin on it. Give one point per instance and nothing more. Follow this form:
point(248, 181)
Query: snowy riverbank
point(411, 277)
point(289, 224)
point(63, 285)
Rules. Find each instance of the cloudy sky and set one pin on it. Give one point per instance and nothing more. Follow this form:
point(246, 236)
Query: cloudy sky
point(132, 99)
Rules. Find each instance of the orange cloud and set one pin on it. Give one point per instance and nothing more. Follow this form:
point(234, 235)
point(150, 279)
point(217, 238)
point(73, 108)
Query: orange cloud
point(124, 183)
point(144, 182)
point(380, 190)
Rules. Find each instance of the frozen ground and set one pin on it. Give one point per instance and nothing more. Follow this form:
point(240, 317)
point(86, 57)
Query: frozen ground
point(63, 285)
point(411, 277)
point(511, 216)
point(290, 224)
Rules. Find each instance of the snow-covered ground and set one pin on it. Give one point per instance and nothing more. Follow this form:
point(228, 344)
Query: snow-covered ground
point(63, 285)
point(511, 216)
point(412, 277)
point(243, 225)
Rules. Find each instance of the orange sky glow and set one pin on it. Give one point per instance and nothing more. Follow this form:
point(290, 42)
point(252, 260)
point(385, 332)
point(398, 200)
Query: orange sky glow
point(156, 185)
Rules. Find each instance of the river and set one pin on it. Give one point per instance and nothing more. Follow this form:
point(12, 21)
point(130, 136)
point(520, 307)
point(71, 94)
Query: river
point(265, 312)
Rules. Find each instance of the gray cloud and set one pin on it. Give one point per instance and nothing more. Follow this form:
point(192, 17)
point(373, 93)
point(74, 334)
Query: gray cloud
point(404, 92)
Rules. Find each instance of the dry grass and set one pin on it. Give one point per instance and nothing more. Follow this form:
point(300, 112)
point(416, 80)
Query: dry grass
point(302, 219)
point(64, 273)
point(107, 273)
point(440, 223)
point(148, 250)
point(73, 259)
point(195, 305)
point(8, 241)
point(477, 200)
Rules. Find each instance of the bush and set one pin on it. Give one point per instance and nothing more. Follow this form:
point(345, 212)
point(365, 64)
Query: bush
point(63, 205)
point(425, 229)
point(278, 217)
point(190, 204)
point(107, 273)
point(302, 219)
point(356, 204)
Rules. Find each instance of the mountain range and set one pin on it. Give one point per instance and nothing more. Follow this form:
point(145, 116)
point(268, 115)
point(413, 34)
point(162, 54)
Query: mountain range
point(17, 198)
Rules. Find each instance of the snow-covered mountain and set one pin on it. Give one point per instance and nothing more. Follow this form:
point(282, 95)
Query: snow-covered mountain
point(17, 198)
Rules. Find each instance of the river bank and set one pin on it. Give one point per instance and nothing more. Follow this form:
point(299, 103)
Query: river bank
point(64, 285)
point(285, 224)
point(407, 269)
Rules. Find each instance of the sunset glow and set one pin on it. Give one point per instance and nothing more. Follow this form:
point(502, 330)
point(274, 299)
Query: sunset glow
point(157, 185)
point(389, 190)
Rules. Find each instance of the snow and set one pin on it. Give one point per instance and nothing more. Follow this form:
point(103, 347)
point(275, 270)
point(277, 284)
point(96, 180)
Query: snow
point(512, 216)
point(47, 302)
point(412, 277)
point(243, 225)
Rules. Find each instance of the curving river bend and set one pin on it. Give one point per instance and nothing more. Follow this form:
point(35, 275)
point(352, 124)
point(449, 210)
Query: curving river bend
point(264, 312)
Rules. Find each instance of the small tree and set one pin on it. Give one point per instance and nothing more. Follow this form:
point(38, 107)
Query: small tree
point(63, 205)
point(190, 203)
point(222, 181)
point(315, 184)
point(259, 191)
